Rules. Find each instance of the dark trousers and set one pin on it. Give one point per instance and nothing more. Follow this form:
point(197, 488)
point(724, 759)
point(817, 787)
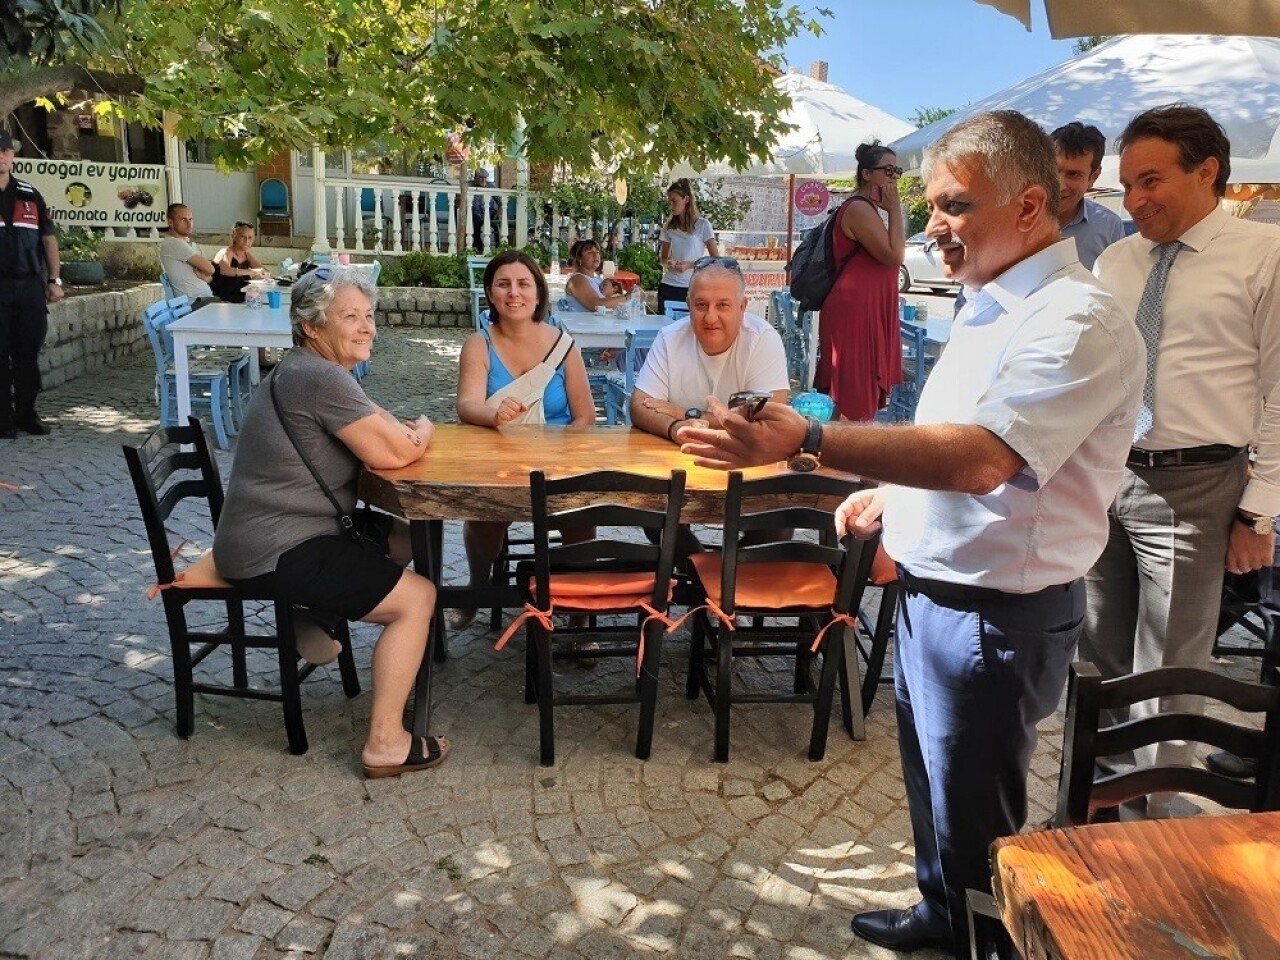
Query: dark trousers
point(974, 672)
point(667, 292)
point(24, 322)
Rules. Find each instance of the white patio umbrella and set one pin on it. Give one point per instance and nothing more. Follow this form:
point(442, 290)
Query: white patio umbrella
point(1080, 18)
point(829, 125)
point(1236, 79)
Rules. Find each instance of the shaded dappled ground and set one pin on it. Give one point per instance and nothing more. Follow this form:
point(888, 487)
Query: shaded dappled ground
point(119, 840)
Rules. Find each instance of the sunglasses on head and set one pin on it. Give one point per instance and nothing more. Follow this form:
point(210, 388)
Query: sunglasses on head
point(727, 262)
point(891, 170)
point(242, 225)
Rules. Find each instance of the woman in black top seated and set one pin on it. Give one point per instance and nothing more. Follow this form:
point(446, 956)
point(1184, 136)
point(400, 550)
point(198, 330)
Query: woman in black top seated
point(235, 265)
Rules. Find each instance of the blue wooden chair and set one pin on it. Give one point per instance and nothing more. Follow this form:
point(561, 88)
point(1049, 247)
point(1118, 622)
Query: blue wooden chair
point(237, 362)
point(273, 204)
point(618, 387)
point(166, 286)
point(795, 330)
point(915, 367)
point(475, 281)
point(675, 309)
point(210, 386)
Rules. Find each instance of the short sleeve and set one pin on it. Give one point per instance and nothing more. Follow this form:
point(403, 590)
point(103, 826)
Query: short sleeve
point(767, 370)
point(664, 235)
point(654, 377)
point(704, 231)
point(339, 401)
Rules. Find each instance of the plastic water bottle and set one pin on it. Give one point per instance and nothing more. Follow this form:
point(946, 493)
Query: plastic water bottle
point(636, 305)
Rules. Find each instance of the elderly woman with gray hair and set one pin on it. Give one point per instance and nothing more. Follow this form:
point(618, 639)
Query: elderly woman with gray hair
point(279, 528)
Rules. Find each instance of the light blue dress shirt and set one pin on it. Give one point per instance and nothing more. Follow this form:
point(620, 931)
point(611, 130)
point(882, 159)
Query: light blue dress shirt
point(1045, 359)
point(1094, 229)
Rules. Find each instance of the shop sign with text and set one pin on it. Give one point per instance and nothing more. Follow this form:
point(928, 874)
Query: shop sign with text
point(86, 193)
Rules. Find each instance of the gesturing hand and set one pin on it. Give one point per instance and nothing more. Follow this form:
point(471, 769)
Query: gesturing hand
point(776, 433)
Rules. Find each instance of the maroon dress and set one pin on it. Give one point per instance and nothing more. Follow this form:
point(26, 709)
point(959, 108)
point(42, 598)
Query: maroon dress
point(860, 358)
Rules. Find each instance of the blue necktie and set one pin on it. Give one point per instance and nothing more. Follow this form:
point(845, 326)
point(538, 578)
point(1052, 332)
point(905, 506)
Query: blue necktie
point(1149, 310)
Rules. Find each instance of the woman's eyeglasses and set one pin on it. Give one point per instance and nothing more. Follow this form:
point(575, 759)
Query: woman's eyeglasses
point(727, 262)
point(891, 170)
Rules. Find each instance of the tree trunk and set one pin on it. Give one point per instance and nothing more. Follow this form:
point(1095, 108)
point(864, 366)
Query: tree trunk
point(32, 82)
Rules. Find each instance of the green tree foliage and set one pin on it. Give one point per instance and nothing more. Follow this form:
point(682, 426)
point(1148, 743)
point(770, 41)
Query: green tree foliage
point(589, 83)
point(911, 192)
point(1085, 44)
point(927, 115)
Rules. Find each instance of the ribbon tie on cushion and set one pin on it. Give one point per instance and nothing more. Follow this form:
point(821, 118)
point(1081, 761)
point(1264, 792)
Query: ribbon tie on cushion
point(843, 618)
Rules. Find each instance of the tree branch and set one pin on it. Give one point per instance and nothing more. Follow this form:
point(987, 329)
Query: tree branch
point(30, 82)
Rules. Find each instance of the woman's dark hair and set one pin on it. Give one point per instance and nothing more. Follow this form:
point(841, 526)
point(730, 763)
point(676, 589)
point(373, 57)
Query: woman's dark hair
point(869, 156)
point(1195, 133)
point(580, 247)
point(686, 220)
point(539, 281)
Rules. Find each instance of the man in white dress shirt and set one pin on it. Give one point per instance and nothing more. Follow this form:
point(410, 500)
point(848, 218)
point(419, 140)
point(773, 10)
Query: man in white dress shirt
point(997, 505)
point(1187, 506)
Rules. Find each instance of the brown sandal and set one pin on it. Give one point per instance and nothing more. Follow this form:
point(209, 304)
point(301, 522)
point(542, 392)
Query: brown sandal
point(415, 761)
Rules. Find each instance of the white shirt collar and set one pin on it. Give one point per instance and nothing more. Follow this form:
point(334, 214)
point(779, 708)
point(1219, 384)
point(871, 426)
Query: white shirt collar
point(1198, 236)
point(1027, 276)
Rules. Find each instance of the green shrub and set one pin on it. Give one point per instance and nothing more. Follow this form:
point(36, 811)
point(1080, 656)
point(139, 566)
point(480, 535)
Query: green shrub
point(79, 244)
point(423, 269)
point(642, 260)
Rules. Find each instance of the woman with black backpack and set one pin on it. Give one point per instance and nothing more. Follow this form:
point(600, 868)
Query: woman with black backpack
point(860, 357)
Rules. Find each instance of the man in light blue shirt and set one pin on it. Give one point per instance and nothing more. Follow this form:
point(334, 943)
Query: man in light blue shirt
point(995, 508)
point(1092, 226)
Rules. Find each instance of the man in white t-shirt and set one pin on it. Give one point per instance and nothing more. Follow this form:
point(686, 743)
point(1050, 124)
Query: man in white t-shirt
point(718, 351)
point(189, 271)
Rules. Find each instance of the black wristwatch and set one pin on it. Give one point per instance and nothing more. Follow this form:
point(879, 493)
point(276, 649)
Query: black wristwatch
point(1259, 525)
point(808, 458)
point(693, 413)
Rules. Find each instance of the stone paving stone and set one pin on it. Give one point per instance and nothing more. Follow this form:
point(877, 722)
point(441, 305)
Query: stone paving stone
point(263, 920)
point(234, 946)
point(303, 935)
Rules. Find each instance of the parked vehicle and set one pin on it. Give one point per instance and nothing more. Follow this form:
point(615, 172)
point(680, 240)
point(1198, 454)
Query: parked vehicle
point(923, 266)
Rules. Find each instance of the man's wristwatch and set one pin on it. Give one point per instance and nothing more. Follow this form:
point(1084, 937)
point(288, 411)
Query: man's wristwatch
point(693, 413)
point(808, 457)
point(1259, 525)
point(56, 281)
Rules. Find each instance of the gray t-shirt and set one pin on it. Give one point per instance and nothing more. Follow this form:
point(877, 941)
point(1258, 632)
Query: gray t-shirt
point(273, 503)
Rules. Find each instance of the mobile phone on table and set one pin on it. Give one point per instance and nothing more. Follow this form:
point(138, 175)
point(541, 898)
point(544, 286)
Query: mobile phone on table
point(751, 403)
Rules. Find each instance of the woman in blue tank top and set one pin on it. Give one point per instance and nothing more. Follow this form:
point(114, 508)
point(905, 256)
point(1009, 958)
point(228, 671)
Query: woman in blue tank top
point(497, 361)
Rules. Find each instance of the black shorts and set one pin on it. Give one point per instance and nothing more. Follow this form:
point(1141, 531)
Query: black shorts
point(335, 573)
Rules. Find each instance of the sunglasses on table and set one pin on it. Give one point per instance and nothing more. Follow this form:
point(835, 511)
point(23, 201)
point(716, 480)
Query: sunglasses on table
point(891, 170)
point(749, 403)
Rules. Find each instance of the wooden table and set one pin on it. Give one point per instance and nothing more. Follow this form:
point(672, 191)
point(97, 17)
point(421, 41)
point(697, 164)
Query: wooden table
point(478, 473)
point(1150, 890)
point(226, 325)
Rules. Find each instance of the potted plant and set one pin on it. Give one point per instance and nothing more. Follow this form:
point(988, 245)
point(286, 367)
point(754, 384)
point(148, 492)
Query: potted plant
point(78, 249)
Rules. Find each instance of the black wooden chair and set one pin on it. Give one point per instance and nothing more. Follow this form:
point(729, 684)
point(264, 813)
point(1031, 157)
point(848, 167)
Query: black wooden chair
point(818, 583)
point(871, 637)
point(1079, 795)
point(599, 577)
point(164, 475)
point(1242, 607)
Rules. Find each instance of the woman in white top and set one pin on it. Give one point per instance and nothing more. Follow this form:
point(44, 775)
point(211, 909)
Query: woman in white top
point(685, 238)
point(583, 290)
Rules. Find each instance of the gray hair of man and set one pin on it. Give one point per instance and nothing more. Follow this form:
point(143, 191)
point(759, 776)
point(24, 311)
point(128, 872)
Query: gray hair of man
point(314, 291)
point(1013, 151)
point(718, 265)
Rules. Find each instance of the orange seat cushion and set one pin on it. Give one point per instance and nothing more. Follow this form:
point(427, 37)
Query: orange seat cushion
point(769, 586)
point(600, 591)
point(202, 574)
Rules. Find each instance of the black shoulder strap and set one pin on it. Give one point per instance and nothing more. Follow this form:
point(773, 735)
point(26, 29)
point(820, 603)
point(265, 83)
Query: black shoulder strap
point(344, 519)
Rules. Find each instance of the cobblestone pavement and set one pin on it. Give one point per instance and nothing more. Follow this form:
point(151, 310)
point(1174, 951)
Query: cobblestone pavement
point(117, 839)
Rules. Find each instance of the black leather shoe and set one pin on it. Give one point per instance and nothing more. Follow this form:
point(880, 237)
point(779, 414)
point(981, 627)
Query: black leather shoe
point(1229, 765)
point(32, 424)
point(900, 930)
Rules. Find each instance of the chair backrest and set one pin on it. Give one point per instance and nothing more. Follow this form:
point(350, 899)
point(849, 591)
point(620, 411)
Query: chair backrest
point(155, 319)
point(1085, 739)
point(675, 309)
point(273, 196)
point(475, 271)
point(913, 353)
point(606, 500)
point(165, 285)
point(367, 204)
point(638, 343)
point(179, 306)
point(796, 501)
point(164, 475)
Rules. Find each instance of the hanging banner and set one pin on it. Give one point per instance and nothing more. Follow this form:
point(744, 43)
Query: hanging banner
point(91, 194)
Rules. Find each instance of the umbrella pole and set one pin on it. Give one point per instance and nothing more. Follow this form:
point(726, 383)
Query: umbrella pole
point(791, 217)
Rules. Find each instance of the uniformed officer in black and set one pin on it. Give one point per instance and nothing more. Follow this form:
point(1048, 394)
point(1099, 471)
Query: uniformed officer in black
point(29, 280)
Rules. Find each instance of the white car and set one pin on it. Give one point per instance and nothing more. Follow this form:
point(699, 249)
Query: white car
point(923, 266)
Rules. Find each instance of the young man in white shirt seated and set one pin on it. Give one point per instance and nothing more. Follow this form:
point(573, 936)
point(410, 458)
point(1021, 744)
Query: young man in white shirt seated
point(189, 271)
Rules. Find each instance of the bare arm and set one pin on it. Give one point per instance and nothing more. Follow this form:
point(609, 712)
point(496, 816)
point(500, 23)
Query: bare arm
point(202, 266)
point(861, 223)
point(664, 254)
point(382, 442)
point(962, 458)
point(713, 248)
point(473, 376)
point(581, 290)
point(581, 404)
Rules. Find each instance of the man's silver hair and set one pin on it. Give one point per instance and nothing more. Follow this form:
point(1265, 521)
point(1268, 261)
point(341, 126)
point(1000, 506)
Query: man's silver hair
point(1013, 151)
point(314, 291)
point(718, 267)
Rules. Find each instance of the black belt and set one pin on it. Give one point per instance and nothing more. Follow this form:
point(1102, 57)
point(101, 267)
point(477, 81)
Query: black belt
point(962, 593)
point(1211, 453)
